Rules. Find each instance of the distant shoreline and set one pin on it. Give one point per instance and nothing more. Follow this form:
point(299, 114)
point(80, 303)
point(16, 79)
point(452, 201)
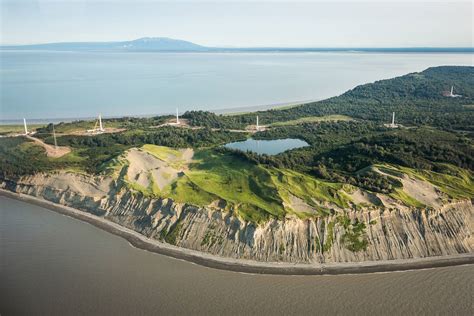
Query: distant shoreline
point(223, 111)
point(156, 45)
point(242, 265)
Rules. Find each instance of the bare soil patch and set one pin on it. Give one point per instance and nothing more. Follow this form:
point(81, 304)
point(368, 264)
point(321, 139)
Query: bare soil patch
point(51, 151)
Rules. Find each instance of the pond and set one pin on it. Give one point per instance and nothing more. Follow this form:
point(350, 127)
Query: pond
point(269, 147)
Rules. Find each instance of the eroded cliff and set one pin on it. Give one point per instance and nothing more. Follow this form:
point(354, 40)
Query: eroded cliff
point(353, 234)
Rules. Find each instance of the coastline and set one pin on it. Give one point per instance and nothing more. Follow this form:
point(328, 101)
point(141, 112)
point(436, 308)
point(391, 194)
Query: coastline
point(244, 109)
point(243, 265)
point(262, 107)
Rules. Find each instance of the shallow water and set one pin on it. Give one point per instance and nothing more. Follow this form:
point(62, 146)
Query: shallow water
point(269, 147)
point(45, 84)
point(53, 264)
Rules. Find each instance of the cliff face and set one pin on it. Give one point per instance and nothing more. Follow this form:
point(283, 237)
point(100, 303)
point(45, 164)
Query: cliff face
point(351, 236)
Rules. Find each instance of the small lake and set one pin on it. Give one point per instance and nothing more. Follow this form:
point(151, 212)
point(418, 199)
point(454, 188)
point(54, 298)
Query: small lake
point(269, 147)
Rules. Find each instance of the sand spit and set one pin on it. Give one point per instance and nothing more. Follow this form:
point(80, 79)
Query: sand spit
point(241, 265)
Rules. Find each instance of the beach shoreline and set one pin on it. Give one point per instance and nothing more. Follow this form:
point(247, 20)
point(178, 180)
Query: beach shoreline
point(243, 265)
point(237, 110)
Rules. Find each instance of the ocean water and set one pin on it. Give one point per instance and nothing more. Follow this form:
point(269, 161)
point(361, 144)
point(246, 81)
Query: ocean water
point(51, 264)
point(269, 147)
point(39, 84)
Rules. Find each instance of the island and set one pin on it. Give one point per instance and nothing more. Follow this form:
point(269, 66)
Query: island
point(379, 178)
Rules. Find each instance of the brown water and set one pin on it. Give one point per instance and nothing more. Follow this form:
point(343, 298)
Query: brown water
point(52, 264)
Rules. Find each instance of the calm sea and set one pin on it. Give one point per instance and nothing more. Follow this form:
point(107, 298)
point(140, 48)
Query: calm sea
point(51, 264)
point(81, 84)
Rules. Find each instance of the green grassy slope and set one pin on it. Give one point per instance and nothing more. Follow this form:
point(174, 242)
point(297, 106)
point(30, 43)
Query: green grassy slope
point(257, 192)
point(18, 128)
point(347, 139)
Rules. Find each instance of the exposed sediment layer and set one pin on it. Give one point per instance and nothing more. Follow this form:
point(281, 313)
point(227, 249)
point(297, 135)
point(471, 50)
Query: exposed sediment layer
point(242, 265)
point(392, 235)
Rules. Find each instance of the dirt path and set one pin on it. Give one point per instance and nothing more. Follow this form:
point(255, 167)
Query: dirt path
point(184, 123)
point(51, 151)
point(108, 130)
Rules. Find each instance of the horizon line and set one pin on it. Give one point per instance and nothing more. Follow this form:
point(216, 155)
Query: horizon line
point(242, 47)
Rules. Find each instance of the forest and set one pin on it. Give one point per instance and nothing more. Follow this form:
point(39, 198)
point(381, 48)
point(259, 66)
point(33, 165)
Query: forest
point(417, 99)
point(434, 130)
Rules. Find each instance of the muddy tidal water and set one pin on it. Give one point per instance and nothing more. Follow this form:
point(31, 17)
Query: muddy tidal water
point(54, 85)
point(51, 264)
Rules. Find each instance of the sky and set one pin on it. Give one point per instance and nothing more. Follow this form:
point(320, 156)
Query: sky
point(246, 23)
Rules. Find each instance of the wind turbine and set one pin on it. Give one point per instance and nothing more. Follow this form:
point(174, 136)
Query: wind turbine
point(26, 128)
point(54, 137)
point(101, 128)
point(97, 130)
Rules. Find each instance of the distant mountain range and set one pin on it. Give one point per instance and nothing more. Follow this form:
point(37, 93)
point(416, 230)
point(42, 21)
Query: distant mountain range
point(164, 44)
point(141, 44)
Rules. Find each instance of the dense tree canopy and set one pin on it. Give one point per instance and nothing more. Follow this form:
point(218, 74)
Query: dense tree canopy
point(436, 129)
point(416, 98)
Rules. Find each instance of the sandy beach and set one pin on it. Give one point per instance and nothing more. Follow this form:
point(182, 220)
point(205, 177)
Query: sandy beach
point(241, 265)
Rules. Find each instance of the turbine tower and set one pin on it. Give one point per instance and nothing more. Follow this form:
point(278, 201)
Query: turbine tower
point(393, 119)
point(26, 128)
point(452, 90)
point(257, 124)
point(54, 137)
point(177, 116)
point(101, 128)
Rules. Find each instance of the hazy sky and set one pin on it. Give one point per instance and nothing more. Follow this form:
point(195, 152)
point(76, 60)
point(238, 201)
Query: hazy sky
point(242, 23)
